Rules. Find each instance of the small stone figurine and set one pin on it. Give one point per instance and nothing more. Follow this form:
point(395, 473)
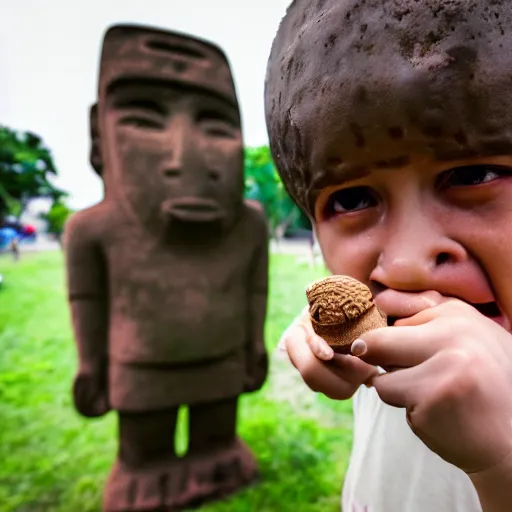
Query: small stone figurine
point(341, 309)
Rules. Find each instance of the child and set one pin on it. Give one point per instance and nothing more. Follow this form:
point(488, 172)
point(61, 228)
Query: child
point(390, 122)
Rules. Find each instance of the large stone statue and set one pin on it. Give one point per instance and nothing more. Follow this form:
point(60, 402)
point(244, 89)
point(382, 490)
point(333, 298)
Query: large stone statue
point(168, 275)
point(94, 153)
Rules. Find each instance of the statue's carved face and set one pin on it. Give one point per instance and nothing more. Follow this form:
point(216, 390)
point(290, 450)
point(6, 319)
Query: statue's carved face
point(175, 152)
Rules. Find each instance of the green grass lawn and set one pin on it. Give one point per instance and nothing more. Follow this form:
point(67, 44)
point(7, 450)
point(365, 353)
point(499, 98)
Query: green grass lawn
point(51, 459)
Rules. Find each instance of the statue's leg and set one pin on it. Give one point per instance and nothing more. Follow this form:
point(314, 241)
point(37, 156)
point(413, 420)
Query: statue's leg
point(218, 462)
point(147, 475)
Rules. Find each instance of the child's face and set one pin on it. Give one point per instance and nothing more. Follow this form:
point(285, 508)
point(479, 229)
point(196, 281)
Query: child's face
point(443, 226)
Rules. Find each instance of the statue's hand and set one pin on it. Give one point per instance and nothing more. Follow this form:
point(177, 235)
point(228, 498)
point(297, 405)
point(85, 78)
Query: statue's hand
point(257, 370)
point(90, 393)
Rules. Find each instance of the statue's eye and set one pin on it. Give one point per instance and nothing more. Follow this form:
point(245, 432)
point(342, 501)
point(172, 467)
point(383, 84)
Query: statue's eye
point(141, 113)
point(216, 124)
point(140, 122)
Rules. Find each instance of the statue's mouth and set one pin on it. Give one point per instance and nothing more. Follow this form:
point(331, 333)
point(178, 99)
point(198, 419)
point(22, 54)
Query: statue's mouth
point(193, 209)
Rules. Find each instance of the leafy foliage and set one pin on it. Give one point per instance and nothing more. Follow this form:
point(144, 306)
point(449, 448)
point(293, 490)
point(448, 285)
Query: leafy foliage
point(56, 217)
point(262, 182)
point(25, 167)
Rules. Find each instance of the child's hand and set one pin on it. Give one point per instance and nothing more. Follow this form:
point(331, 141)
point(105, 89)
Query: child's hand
point(336, 376)
point(455, 381)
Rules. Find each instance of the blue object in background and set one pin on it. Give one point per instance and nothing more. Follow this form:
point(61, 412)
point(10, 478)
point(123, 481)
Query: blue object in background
point(6, 236)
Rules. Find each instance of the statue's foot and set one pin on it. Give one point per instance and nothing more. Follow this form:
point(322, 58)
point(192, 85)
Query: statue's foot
point(218, 473)
point(154, 488)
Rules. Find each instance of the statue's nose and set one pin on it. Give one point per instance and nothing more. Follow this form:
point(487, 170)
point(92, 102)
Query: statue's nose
point(177, 143)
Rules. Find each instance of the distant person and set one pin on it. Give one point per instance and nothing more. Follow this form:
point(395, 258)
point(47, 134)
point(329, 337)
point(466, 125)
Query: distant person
point(15, 248)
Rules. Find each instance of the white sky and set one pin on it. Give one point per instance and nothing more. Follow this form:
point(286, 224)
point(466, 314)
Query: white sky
point(49, 56)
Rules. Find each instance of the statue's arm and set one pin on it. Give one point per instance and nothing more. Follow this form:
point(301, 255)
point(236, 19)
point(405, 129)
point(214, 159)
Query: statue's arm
point(257, 357)
point(88, 299)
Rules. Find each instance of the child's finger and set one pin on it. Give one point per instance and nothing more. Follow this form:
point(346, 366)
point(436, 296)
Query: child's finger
point(399, 388)
point(302, 329)
point(316, 343)
point(450, 306)
point(406, 304)
point(353, 369)
point(401, 347)
point(296, 331)
point(319, 346)
point(322, 377)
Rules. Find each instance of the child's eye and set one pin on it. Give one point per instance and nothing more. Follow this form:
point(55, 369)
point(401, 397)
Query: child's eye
point(350, 200)
point(472, 175)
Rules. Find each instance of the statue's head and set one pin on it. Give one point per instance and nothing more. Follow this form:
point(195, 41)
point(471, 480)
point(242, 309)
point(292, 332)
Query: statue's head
point(170, 126)
point(354, 85)
point(95, 154)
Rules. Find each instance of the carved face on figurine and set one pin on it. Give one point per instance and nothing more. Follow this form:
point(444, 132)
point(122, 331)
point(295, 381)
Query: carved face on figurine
point(170, 127)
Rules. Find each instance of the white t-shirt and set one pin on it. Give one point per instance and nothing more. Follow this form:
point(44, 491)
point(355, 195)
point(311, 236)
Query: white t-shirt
point(391, 470)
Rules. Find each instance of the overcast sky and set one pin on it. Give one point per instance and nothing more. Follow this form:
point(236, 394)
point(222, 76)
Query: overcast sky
point(49, 52)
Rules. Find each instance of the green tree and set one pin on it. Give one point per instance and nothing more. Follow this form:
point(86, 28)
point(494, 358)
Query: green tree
point(25, 167)
point(262, 182)
point(56, 218)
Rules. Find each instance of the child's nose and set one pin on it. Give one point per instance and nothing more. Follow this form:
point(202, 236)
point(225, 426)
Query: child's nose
point(417, 257)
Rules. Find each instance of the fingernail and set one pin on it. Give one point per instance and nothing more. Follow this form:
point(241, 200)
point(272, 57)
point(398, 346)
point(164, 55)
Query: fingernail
point(282, 346)
point(358, 348)
point(326, 354)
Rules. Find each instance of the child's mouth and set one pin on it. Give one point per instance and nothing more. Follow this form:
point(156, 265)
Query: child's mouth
point(392, 320)
point(493, 311)
point(489, 309)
